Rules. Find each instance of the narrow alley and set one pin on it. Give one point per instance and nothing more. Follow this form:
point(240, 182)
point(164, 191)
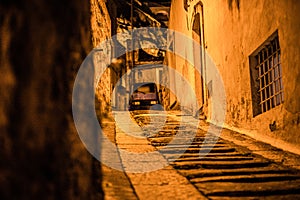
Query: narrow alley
point(144, 99)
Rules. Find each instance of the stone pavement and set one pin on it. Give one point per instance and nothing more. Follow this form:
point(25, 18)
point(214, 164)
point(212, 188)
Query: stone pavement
point(115, 183)
point(150, 174)
point(142, 179)
point(257, 147)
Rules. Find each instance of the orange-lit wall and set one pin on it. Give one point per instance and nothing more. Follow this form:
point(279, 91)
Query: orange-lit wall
point(233, 30)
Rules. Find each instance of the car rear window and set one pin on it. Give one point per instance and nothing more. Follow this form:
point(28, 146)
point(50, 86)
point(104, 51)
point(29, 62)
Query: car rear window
point(141, 96)
point(145, 92)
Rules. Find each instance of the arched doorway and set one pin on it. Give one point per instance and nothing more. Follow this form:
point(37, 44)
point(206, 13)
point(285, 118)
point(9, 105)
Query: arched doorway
point(199, 55)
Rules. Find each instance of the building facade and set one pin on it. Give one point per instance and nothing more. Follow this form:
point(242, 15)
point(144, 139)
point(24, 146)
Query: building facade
point(111, 25)
point(255, 46)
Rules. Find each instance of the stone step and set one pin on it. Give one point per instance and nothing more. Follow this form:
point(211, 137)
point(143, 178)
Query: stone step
point(160, 139)
point(248, 178)
point(191, 155)
point(217, 158)
point(207, 138)
point(156, 142)
point(196, 173)
point(172, 146)
point(220, 164)
point(210, 142)
point(197, 150)
point(259, 189)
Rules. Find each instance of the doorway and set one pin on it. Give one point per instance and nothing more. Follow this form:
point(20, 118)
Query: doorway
point(199, 54)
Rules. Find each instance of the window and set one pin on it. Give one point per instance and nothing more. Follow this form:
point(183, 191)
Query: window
point(266, 76)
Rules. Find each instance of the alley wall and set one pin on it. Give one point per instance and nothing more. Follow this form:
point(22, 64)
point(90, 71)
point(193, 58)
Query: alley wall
point(43, 44)
point(234, 31)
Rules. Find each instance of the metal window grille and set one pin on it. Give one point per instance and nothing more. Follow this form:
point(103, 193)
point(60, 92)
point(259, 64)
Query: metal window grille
point(270, 76)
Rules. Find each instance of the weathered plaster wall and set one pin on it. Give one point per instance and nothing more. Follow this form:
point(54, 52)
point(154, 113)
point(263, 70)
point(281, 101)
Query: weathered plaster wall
point(181, 59)
point(232, 34)
point(42, 46)
point(233, 30)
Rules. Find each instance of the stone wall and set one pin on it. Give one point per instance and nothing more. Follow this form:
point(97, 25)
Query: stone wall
point(42, 46)
point(103, 23)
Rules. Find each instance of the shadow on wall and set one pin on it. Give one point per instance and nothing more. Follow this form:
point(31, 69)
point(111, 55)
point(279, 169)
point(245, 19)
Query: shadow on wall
point(42, 46)
point(230, 4)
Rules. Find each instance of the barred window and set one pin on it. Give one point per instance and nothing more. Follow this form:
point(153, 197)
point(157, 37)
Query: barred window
point(267, 92)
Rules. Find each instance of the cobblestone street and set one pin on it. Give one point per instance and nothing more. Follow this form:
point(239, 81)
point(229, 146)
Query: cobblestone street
point(226, 169)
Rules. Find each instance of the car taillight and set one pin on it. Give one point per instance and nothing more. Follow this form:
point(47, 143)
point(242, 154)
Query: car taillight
point(136, 103)
point(153, 102)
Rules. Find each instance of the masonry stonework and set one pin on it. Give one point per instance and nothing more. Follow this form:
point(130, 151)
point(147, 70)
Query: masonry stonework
point(103, 24)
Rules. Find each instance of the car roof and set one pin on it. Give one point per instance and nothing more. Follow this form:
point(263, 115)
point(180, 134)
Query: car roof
point(137, 85)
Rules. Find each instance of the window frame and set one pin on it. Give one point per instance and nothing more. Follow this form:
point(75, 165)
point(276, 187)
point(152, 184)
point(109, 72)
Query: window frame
point(266, 76)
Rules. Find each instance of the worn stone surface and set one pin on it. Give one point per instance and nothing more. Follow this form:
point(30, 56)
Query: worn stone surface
point(150, 174)
point(235, 165)
point(115, 183)
point(42, 46)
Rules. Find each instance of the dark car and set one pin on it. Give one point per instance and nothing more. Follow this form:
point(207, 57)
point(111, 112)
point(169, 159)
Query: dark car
point(144, 96)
